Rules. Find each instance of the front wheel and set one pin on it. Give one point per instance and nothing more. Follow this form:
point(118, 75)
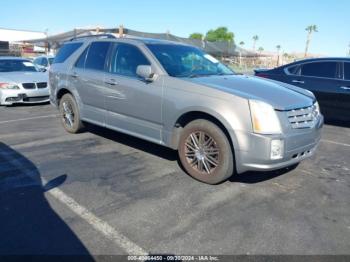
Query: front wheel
point(205, 152)
point(69, 114)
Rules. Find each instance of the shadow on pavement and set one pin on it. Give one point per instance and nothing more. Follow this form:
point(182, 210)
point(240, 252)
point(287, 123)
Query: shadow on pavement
point(171, 155)
point(149, 147)
point(28, 224)
point(257, 177)
point(339, 123)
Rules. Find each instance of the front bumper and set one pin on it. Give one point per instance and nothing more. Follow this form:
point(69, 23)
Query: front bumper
point(9, 97)
point(254, 149)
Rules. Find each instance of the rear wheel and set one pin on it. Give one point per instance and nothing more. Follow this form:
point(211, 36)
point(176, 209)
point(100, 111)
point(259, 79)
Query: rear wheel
point(205, 152)
point(69, 114)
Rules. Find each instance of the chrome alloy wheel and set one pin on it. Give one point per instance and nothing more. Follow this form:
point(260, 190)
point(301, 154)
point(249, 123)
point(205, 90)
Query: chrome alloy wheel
point(68, 114)
point(202, 152)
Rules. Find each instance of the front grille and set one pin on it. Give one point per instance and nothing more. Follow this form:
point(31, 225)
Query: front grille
point(303, 117)
point(28, 85)
point(41, 85)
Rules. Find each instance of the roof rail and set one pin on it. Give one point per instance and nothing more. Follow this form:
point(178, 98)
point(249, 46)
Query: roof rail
point(93, 36)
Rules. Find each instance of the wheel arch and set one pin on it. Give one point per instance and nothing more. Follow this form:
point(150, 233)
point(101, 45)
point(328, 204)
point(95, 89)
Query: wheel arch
point(186, 117)
point(61, 93)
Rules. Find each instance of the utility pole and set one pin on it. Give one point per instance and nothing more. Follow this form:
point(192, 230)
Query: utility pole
point(349, 50)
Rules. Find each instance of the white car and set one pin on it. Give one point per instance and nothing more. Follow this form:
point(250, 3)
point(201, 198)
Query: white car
point(22, 82)
point(43, 62)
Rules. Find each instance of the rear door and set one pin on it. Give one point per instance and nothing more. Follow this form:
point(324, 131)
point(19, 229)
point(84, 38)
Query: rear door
point(321, 78)
point(87, 76)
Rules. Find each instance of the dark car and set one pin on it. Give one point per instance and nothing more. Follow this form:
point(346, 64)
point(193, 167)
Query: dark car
point(327, 78)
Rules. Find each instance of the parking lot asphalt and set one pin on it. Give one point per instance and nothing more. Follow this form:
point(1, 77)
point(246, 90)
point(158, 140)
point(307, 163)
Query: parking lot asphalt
point(102, 192)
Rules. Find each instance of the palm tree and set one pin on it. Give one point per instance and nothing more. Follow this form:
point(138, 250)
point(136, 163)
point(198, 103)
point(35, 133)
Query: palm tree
point(278, 47)
point(255, 39)
point(310, 29)
point(285, 57)
point(261, 49)
point(240, 52)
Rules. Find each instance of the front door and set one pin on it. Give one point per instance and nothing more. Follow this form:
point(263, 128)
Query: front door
point(133, 104)
point(343, 93)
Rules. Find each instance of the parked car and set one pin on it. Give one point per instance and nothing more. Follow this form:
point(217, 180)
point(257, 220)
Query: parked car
point(43, 62)
point(327, 78)
point(180, 97)
point(21, 82)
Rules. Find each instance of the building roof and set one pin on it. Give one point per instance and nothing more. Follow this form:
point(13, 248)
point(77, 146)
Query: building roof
point(220, 48)
point(13, 35)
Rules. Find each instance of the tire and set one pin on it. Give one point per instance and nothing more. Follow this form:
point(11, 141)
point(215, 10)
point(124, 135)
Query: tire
point(211, 160)
point(69, 114)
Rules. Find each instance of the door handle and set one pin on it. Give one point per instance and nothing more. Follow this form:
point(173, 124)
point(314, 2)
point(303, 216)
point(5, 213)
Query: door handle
point(74, 75)
point(111, 82)
point(298, 81)
point(345, 87)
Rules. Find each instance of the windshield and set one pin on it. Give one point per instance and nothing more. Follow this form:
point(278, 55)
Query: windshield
point(17, 66)
point(187, 61)
point(51, 60)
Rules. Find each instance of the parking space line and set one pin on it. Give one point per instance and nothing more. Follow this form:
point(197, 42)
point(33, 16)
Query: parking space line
point(25, 119)
point(98, 224)
point(334, 142)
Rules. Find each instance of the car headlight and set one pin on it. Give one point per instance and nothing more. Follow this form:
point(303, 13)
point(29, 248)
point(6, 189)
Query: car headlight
point(317, 108)
point(264, 118)
point(8, 86)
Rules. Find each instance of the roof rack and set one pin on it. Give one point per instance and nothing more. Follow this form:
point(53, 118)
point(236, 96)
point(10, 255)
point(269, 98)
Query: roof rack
point(93, 36)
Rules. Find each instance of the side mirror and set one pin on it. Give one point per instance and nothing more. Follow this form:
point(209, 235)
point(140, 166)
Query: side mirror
point(145, 71)
point(42, 69)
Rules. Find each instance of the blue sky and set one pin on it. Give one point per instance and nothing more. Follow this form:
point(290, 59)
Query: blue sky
point(276, 22)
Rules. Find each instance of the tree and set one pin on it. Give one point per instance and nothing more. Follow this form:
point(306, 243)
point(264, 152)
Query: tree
point(220, 34)
point(198, 36)
point(278, 47)
point(310, 29)
point(260, 49)
point(241, 44)
point(255, 39)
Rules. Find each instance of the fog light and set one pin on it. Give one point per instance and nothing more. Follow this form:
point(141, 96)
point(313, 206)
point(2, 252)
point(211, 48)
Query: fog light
point(277, 149)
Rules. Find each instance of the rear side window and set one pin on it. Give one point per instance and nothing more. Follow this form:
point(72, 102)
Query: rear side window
point(66, 51)
point(126, 59)
point(347, 71)
point(96, 56)
point(320, 69)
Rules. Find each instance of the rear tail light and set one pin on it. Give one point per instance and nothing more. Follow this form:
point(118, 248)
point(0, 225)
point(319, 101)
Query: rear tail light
point(263, 75)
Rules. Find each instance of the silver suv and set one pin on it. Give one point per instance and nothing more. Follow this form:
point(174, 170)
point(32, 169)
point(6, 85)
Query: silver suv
point(180, 97)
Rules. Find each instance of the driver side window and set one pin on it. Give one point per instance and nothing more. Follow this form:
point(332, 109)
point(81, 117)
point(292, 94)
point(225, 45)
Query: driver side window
point(126, 59)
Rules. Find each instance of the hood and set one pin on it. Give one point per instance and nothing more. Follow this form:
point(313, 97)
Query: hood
point(280, 96)
point(24, 77)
